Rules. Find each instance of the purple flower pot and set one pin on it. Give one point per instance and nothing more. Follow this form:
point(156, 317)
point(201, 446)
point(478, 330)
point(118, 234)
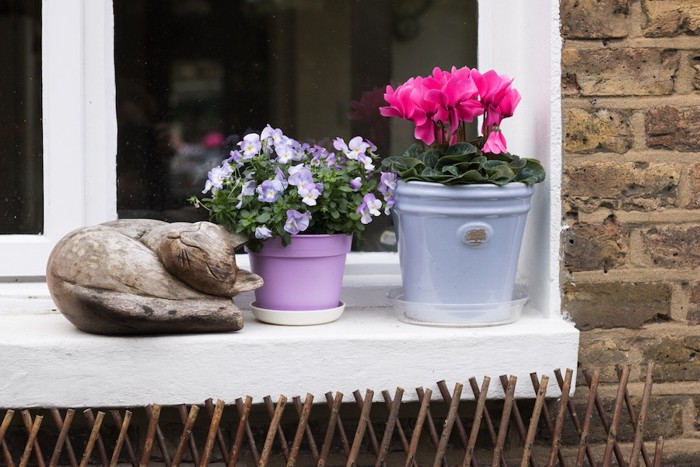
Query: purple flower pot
point(307, 275)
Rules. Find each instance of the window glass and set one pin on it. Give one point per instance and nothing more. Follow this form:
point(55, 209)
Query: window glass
point(194, 76)
point(21, 179)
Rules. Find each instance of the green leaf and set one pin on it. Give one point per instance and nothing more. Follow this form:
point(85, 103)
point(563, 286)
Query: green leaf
point(428, 172)
point(262, 218)
point(461, 149)
point(532, 173)
point(450, 160)
point(413, 151)
point(498, 172)
point(472, 176)
point(450, 169)
point(431, 157)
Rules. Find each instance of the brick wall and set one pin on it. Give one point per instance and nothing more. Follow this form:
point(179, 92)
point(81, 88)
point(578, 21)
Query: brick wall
point(631, 200)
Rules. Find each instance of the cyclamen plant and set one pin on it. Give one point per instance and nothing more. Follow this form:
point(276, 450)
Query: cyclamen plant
point(274, 185)
point(440, 106)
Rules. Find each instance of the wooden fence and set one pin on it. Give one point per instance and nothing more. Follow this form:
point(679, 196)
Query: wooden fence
point(381, 437)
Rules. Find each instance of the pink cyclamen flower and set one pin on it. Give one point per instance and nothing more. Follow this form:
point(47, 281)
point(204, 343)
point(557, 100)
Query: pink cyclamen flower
point(497, 96)
point(495, 143)
point(404, 101)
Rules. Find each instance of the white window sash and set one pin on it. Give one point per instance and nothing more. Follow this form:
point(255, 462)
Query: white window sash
point(79, 130)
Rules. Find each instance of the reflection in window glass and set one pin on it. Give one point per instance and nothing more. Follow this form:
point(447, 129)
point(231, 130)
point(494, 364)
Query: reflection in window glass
point(21, 170)
point(194, 76)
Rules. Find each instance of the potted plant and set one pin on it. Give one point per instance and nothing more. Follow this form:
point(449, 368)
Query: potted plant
point(461, 206)
point(300, 205)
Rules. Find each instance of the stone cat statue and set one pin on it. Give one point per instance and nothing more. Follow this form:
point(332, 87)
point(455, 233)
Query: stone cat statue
point(141, 276)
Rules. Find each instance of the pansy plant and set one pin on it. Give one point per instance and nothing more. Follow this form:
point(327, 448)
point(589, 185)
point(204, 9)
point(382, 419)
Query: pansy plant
point(440, 106)
point(273, 185)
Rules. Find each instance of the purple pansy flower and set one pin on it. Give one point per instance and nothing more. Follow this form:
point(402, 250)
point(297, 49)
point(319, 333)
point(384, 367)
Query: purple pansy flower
point(308, 196)
point(235, 156)
point(356, 184)
point(369, 207)
point(387, 183)
point(299, 174)
point(268, 190)
point(248, 189)
point(250, 145)
point(297, 221)
point(261, 233)
point(216, 177)
point(353, 149)
point(279, 175)
point(285, 153)
point(273, 136)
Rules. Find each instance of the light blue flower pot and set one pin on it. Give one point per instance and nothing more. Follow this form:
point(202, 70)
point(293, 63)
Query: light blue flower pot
point(459, 244)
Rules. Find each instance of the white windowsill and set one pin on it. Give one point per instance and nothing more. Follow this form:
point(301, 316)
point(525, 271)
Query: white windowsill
point(45, 361)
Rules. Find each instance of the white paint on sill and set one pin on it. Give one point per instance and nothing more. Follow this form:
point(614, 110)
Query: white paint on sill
point(47, 362)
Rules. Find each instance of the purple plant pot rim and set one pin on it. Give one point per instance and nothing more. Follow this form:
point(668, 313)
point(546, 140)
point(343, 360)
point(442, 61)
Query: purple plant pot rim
point(307, 245)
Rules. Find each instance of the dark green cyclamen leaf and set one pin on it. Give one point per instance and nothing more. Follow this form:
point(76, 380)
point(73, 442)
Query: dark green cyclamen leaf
point(517, 163)
point(451, 160)
point(429, 172)
point(414, 151)
point(450, 169)
point(410, 174)
point(431, 158)
point(532, 173)
point(498, 172)
point(467, 166)
point(394, 163)
point(400, 164)
point(472, 176)
point(504, 156)
point(461, 149)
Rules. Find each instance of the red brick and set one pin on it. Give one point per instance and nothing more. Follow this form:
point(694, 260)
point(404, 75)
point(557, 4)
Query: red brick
point(673, 128)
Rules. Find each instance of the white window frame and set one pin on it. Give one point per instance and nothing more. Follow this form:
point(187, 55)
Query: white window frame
point(520, 39)
point(80, 132)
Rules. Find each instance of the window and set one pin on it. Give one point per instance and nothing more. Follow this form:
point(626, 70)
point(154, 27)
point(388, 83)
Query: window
point(194, 76)
point(21, 211)
point(80, 188)
point(78, 128)
point(79, 101)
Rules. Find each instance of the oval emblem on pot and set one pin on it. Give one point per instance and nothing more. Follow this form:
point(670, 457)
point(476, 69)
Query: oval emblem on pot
point(474, 234)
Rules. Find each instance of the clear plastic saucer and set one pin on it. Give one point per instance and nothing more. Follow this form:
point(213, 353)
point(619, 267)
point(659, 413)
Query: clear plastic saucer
point(459, 315)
